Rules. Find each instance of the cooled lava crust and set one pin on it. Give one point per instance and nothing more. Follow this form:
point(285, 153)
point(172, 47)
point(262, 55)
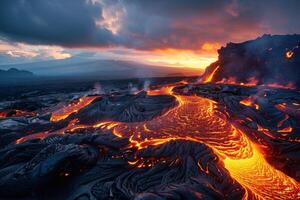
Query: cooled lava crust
point(179, 141)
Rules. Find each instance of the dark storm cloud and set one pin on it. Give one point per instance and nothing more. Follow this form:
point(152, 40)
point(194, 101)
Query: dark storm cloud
point(189, 24)
point(62, 22)
point(145, 24)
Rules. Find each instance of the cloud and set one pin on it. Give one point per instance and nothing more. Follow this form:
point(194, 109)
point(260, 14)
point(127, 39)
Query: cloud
point(144, 24)
point(30, 52)
point(67, 23)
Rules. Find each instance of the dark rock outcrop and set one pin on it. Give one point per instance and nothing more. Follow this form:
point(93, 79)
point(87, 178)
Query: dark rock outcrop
point(269, 59)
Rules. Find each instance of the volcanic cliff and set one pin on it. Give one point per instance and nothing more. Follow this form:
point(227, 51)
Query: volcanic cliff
point(267, 60)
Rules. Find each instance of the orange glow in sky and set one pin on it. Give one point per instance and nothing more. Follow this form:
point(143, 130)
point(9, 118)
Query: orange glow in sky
point(199, 59)
point(180, 58)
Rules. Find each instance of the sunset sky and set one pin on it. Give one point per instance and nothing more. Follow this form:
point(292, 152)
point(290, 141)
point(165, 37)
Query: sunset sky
point(160, 32)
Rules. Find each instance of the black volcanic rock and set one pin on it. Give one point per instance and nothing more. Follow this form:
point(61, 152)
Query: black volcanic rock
point(125, 108)
point(264, 58)
point(78, 159)
point(97, 166)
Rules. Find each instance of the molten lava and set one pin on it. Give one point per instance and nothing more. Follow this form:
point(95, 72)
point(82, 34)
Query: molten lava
point(16, 113)
point(64, 112)
point(286, 130)
point(195, 119)
point(250, 103)
point(252, 81)
point(209, 78)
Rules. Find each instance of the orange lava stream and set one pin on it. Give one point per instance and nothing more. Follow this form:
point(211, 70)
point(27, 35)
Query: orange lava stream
point(211, 75)
point(64, 112)
point(249, 102)
point(286, 130)
point(195, 119)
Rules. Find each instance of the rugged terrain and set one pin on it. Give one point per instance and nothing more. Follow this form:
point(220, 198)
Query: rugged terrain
point(270, 59)
point(164, 138)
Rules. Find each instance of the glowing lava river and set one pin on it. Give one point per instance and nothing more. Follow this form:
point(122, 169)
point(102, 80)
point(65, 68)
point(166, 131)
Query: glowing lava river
point(195, 119)
point(191, 120)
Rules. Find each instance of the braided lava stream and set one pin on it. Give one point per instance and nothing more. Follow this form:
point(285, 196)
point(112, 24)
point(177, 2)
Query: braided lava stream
point(196, 119)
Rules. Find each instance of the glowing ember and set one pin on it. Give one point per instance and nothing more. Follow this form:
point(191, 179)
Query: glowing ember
point(289, 54)
point(19, 113)
point(249, 102)
point(64, 112)
point(252, 81)
point(286, 130)
point(16, 113)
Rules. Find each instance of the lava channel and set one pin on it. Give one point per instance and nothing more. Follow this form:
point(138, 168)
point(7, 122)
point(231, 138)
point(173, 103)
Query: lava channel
point(195, 119)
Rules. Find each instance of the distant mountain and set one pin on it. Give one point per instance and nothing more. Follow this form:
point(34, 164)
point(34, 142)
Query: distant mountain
point(103, 69)
point(268, 59)
point(14, 73)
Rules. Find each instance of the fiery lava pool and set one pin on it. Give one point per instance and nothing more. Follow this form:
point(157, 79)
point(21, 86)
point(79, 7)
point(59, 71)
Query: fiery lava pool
point(195, 119)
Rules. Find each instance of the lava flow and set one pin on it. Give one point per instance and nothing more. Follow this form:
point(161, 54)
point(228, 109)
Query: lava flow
point(211, 75)
point(249, 102)
point(195, 119)
point(71, 108)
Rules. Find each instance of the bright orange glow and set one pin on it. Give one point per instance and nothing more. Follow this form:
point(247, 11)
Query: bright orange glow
point(249, 102)
point(160, 91)
point(255, 174)
point(209, 78)
point(181, 58)
point(212, 47)
point(252, 81)
point(42, 135)
point(16, 113)
point(286, 130)
point(196, 119)
point(289, 54)
point(64, 112)
point(19, 113)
